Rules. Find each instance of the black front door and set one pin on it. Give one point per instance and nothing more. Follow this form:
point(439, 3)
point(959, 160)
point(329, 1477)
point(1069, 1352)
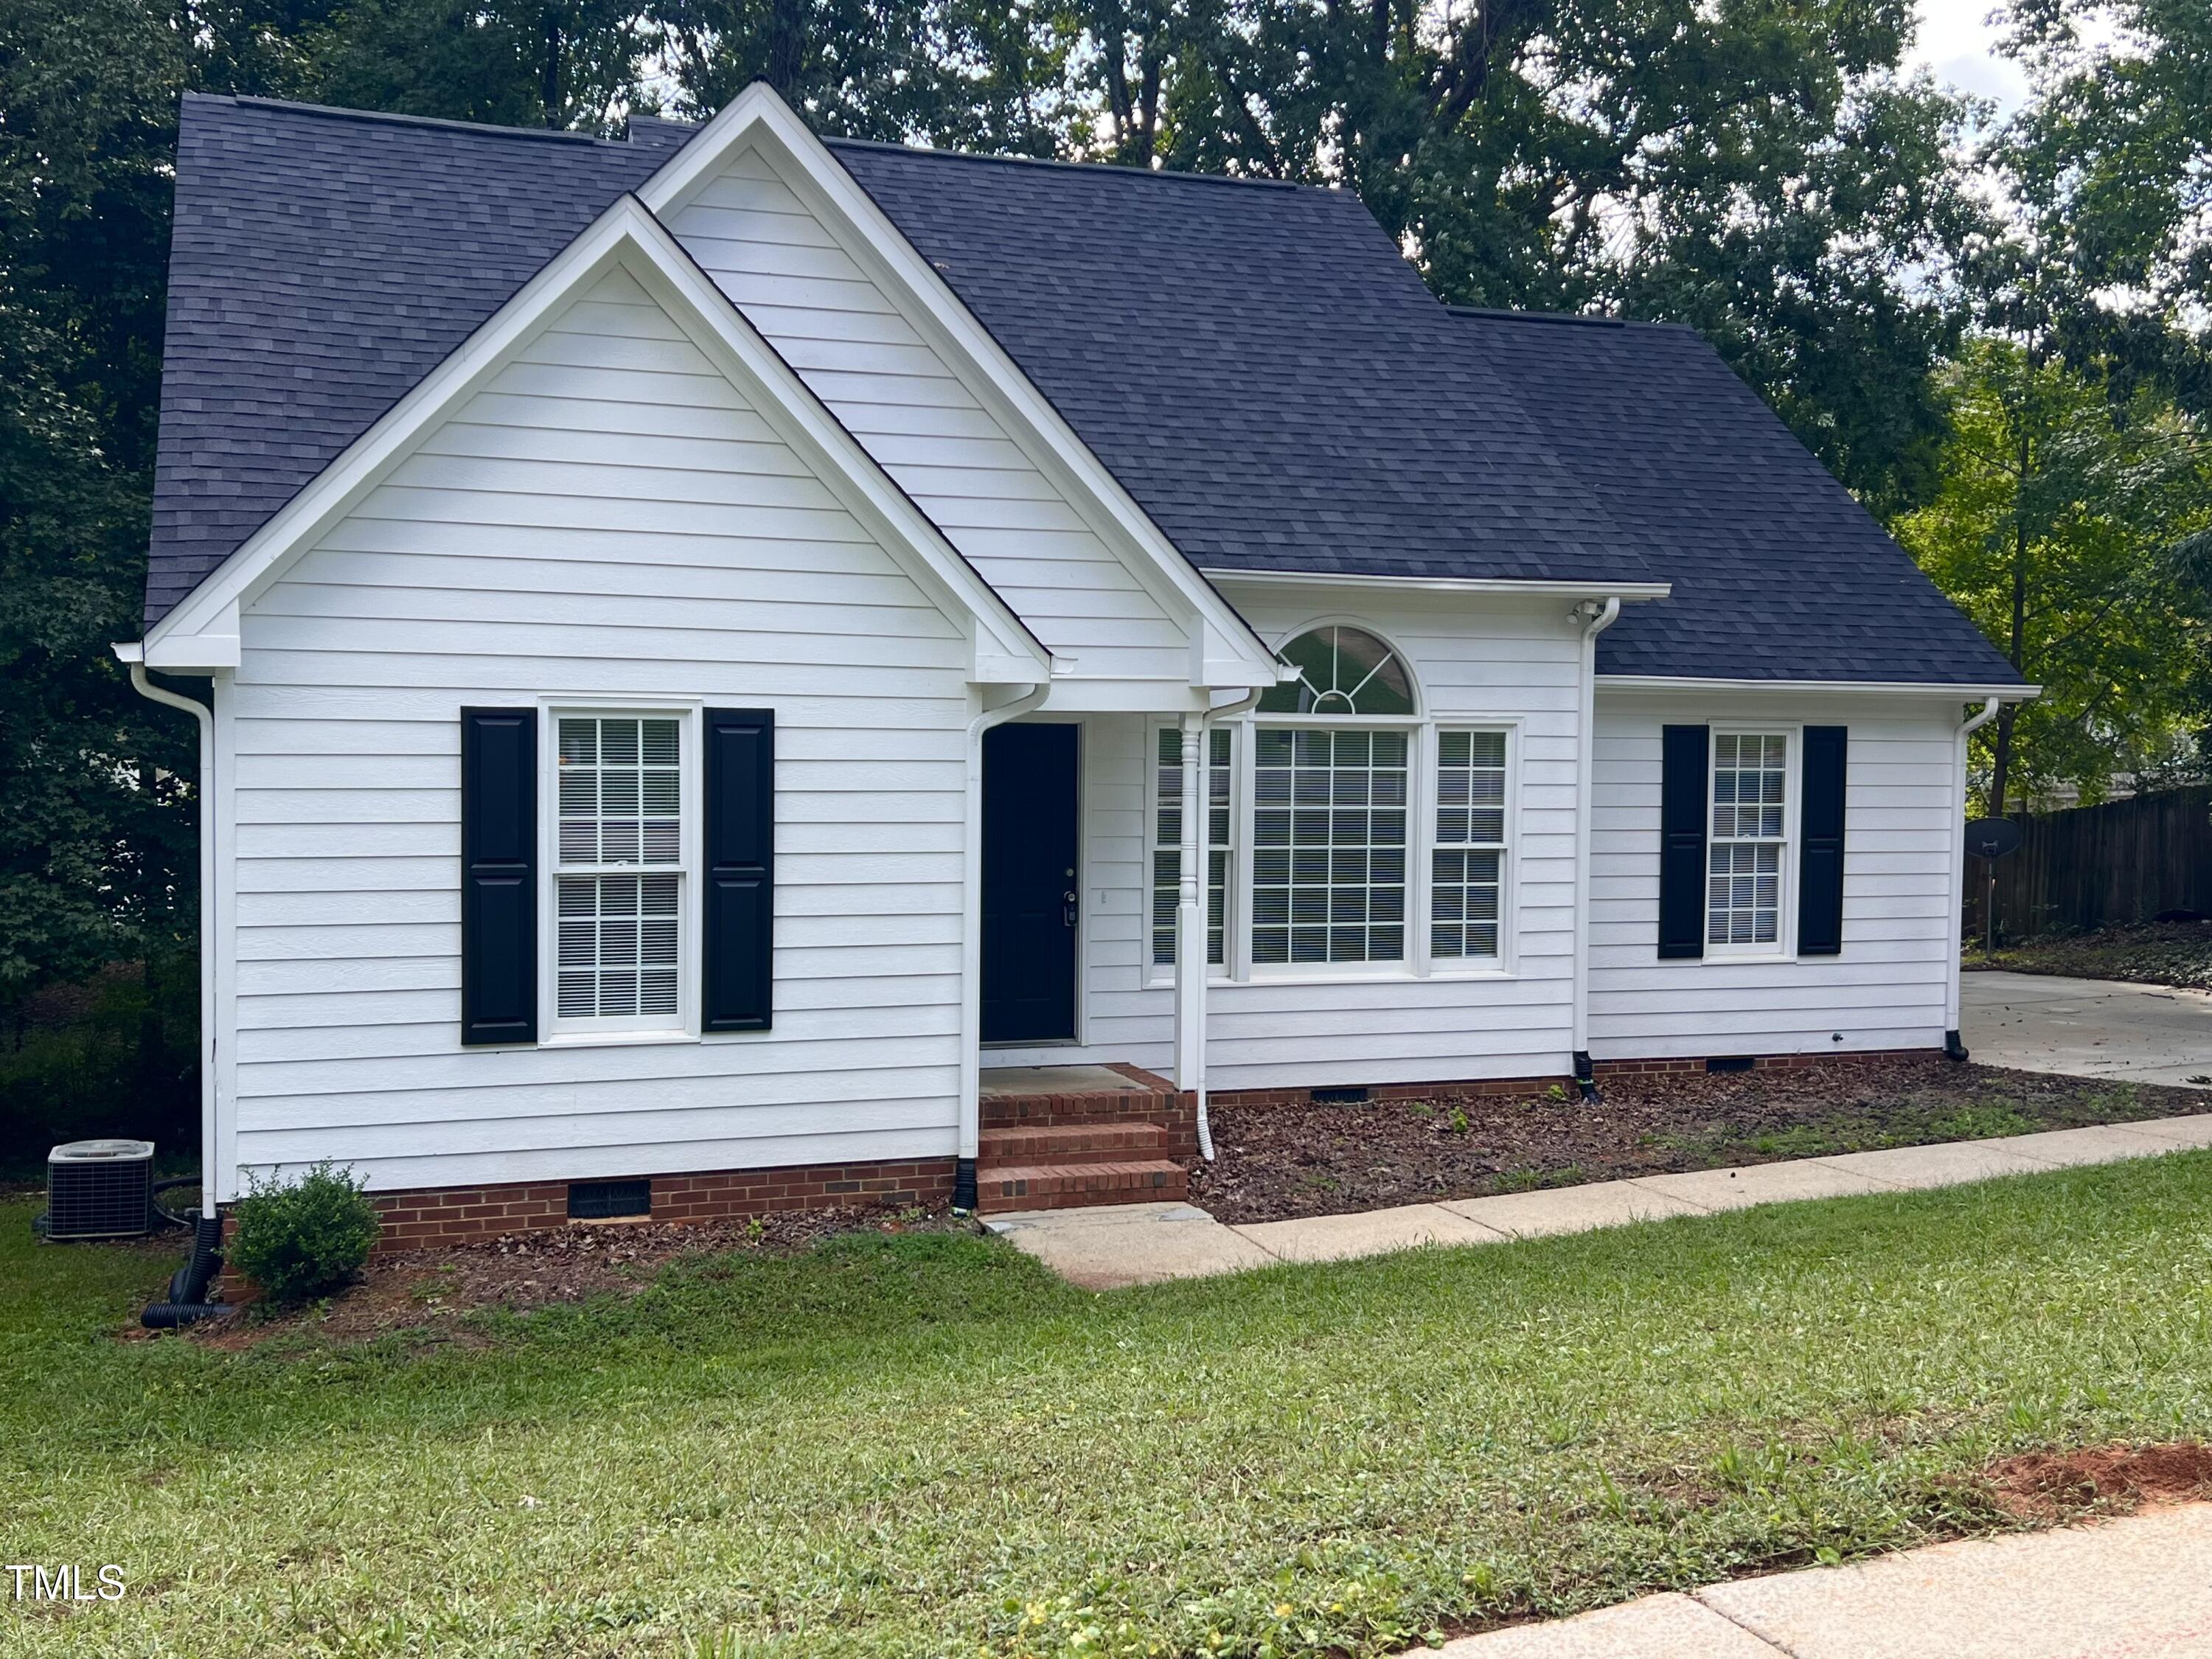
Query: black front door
point(1029, 883)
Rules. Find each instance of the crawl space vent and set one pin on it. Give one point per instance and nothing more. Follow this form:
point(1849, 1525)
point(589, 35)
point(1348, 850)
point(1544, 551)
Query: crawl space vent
point(609, 1201)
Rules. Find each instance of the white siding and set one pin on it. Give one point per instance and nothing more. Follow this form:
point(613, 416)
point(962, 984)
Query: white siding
point(847, 340)
point(1514, 661)
point(607, 517)
point(1901, 817)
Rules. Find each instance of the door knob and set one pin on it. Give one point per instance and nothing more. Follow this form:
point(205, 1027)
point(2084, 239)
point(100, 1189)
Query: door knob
point(1067, 909)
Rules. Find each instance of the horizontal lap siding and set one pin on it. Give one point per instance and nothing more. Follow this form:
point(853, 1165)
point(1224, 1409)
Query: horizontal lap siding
point(1884, 991)
point(1503, 660)
point(848, 342)
point(607, 518)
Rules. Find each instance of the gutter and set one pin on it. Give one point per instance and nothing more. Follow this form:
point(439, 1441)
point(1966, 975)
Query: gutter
point(1954, 1045)
point(1596, 619)
point(133, 656)
point(970, 1142)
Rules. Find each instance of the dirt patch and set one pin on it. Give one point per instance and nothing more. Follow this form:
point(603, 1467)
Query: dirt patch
point(2052, 1486)
point(2154, 953)
point(1278, 1162)
point(434, 1292)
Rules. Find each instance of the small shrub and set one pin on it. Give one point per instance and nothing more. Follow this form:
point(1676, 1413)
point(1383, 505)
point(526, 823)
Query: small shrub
point(304, 1239)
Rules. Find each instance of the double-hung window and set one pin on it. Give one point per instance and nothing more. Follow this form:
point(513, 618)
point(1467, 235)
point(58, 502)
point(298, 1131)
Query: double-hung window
point(1467, 876)
point(621, 847)
point(1748, 848)
point(1167, 840)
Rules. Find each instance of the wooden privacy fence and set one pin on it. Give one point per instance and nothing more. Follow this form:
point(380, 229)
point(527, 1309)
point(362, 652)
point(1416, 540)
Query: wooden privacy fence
point(2095, 867)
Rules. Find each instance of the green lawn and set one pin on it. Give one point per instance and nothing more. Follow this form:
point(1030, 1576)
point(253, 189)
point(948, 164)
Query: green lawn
point(919, 1445)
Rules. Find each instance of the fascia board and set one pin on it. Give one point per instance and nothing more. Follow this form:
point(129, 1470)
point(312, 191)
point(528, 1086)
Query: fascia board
point(1502, 585)
point(1936, 688)
point(881, 249)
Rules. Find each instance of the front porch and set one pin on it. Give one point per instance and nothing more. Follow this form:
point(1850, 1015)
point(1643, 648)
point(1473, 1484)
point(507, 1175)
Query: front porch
point(1057, 1137)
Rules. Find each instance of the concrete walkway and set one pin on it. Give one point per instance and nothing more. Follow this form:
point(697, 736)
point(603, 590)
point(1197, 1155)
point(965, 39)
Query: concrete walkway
point(2135, 1586)
point(1123, 1244)
point(2087, 1027)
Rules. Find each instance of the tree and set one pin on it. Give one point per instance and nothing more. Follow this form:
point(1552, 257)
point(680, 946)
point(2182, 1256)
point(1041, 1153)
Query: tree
point(2073, 539)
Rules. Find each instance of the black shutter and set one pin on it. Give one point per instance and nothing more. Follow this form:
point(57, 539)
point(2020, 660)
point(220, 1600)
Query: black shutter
point(1821, 855)
point(737, 933)
point(499, 875)
point(1683, 784)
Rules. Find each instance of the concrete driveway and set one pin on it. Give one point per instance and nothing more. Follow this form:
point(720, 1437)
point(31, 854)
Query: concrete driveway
point(2088, 1027)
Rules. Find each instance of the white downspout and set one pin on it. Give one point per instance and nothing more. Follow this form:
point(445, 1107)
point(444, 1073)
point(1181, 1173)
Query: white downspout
point(971, 948)
point(1190, 965)
point(1596, 619)
point(132, 656)
point(1953, 1045)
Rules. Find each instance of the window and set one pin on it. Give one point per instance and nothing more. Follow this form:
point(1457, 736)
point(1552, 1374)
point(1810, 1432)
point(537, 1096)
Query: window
point(619, 869)
point(1748, 846)
point(1329, 845)
point(1342, 670)
point(1467, 865)
point(1167, 842)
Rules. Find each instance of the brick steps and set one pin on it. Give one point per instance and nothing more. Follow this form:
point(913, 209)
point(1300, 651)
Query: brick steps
point(1066, 1185)
point(1104, 1141)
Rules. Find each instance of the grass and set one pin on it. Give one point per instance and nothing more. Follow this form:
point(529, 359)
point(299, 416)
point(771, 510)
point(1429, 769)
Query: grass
point(1901, 1123)
point(923, 1445)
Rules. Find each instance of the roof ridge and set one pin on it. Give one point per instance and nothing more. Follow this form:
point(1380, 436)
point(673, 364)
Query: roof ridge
point(341, 112)
point(1500, 314)
point(1175, 173)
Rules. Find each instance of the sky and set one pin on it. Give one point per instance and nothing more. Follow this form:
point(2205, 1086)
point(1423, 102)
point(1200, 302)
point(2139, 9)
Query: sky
point(1958, 44)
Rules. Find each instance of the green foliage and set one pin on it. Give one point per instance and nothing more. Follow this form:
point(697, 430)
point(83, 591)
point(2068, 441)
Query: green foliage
point(1330, 1459)
point(303, 1239)
point(115, 1057)
point(2056, 530)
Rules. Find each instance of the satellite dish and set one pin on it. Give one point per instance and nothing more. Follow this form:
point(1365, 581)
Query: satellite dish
point(1992, 838)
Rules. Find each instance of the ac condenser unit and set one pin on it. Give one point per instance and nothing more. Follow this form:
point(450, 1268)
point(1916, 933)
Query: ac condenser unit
point(100, 1189)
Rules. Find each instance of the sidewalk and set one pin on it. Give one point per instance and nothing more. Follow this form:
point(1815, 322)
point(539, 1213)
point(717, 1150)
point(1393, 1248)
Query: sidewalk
point(2136, 1586)
point(1109, 1248)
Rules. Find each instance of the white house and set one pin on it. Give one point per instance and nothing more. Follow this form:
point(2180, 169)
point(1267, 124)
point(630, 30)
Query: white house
point(712, 637)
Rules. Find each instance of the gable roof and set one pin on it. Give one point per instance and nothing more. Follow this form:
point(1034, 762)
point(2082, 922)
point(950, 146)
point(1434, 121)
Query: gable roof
point(1253, 363)
point(202, 629)
point(1778, 573)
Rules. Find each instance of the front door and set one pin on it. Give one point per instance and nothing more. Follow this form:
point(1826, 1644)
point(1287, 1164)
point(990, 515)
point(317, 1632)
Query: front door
point(1030, 890)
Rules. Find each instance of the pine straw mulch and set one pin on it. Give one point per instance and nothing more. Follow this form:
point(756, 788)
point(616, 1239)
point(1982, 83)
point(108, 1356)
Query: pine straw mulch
point(436, 1292)
point(1275, 1163)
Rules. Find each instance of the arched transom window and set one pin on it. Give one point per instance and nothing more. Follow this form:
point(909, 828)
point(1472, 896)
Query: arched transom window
point(1342, 670)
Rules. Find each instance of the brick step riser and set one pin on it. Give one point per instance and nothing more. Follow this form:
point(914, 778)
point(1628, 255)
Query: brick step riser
point(1067, 1186)
point(1079, 1108)
point(1072, 1143)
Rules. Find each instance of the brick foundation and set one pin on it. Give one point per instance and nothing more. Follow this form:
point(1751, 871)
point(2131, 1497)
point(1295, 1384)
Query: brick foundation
point(425, 1218)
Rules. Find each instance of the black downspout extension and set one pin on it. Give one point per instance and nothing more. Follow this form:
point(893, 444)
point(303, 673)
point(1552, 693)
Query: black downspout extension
point(1586, 1077)
point(187, 1304)
point(963, 1186)
point(1954, 1046)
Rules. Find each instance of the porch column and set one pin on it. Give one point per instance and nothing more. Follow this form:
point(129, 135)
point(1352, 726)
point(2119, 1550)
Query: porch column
point(1190, 915)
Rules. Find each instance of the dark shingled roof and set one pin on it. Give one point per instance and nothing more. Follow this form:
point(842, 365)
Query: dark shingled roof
point(1253, 363)
point(1780, 573)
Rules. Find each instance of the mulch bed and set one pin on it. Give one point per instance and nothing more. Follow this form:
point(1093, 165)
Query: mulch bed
point(2178, 953)
point(434, 1292)
point(1277, 1161)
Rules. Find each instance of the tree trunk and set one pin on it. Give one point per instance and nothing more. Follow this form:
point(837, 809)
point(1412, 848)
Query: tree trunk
point(548, 68)
point(2001, 757)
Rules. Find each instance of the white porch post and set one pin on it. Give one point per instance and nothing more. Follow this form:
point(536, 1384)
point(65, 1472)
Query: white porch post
point(1190, 915)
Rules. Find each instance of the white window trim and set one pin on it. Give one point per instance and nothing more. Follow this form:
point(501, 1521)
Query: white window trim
point(618, 1031)
point(1784, 946)
point(1506, 963)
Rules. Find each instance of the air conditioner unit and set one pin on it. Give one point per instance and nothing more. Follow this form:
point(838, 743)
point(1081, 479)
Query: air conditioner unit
point(100, 1189)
